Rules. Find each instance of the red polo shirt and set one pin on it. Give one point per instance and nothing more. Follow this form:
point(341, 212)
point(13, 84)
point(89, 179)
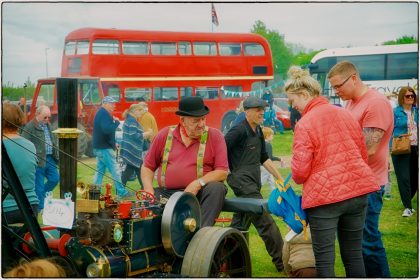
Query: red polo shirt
point(182, 162)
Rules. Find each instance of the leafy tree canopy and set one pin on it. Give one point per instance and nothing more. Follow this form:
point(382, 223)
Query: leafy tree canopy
point(402, 40)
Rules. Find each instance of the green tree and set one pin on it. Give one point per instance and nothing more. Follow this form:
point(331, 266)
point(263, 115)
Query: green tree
point(282, 55)
point(303, 58)
point(402, 40)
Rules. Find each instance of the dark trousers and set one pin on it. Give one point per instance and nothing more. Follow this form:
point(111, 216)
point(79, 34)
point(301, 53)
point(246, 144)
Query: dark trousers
point(346, 219)
point(267, 230)
point(15, 216)
point(406, 170)
point(211, 198)
point(128, 171)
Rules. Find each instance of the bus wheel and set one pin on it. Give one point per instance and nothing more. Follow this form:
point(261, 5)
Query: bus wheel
point(227, 121)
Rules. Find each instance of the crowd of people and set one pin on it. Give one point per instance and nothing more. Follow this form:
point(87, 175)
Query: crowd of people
point(340, 156)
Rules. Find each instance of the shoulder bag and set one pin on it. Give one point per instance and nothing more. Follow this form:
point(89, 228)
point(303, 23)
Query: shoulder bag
point(401, 145)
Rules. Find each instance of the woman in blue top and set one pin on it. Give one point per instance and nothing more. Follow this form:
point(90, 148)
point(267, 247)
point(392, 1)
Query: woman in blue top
point(22, 154)
point(406, 119)
point(132, 143)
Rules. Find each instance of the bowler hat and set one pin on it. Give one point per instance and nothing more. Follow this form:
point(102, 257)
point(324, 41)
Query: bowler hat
point(254, 102)
point(193, 107)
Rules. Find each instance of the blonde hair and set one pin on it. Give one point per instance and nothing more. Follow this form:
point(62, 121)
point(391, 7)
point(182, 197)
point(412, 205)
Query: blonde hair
point(133, 107)
point(343, 68)
point(267, 132)
point(300, 80)
point(36, 269)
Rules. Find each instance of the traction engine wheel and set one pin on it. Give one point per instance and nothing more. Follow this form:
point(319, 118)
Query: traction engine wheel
point(217, 252)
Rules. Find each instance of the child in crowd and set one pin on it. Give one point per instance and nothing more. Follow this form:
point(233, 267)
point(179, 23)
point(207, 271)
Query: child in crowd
point(266, 177)
point(298, 256)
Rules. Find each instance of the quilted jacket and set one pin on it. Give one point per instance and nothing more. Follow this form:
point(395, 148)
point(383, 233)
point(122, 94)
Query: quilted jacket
point(329, 156)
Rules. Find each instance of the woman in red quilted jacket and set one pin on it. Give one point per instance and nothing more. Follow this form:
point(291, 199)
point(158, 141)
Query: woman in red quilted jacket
point(330, 160)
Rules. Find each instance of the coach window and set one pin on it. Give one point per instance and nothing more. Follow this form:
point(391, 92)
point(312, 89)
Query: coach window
point(226, 49)
point(70, 48)
point(112, 90)
point(105, 47)
point(207, 92)
point(135, 48)
point(82, 47)
point(163, 48)
point(371, 68)
point(165, 93)
point(184, 48)
point(253, 49)
point(205, 48)
point(138, 94)
point(186, 92)
point(402, 66)
point(231, 91)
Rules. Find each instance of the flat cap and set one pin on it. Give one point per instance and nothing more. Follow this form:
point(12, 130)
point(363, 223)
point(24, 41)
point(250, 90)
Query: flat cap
point(254, 102)
point(108, 99)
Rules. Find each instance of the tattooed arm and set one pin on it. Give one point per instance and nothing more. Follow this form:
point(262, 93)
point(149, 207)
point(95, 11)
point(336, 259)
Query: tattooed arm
point(373, 137)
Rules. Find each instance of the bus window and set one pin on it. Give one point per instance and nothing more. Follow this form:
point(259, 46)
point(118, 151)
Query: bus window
point(70, 48)
point(204, 48)
point(253, 49)
point(229, 49)
point(105, 47)
point(186, 92)
point(135, 47)
point(163, 48)
point(165, 93)
point(112, 90)
point(184, 48)
point(371, 67)
point(235, 89)
point(89, 92)
point(46, 95)
point(138, 94)
point(74, 65)
point(207, 92)
point(402, 66)
point(82, 47)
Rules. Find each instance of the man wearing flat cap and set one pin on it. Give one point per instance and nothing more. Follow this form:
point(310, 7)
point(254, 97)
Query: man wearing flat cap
point(104, 127)
point(189, 157)
point(246, 153)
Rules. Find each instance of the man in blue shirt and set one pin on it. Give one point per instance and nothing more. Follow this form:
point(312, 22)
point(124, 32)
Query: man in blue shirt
point(104, 127)
point(38, 131)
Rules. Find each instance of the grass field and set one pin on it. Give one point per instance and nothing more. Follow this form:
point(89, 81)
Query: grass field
point(400, 235)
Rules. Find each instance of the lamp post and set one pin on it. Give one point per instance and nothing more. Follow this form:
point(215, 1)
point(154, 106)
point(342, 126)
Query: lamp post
point(46, 60)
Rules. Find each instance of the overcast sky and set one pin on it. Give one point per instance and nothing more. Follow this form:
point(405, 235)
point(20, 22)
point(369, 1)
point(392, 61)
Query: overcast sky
point(33, 33)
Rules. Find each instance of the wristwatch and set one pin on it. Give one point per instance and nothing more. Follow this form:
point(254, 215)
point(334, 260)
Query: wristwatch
point(201, 182)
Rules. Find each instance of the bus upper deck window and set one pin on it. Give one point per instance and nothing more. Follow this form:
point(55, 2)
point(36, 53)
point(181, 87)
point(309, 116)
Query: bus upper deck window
point(165, 48)
point(253, 49)
point(205, 48)
point(135, 48)
point(184, 48)
point(70, 48)
point(230, 49)
point(82, 47)
point(105, 47)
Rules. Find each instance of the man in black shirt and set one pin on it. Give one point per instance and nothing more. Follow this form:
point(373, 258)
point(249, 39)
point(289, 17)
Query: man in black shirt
point(246, 153)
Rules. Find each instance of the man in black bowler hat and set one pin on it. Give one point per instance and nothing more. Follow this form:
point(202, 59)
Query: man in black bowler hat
point(189, 157)
point(246, 153)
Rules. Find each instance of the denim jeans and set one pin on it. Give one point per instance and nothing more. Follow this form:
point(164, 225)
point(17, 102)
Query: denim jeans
point(105, 159)
point(49, 172)
point(344, 219)
point(374, 255)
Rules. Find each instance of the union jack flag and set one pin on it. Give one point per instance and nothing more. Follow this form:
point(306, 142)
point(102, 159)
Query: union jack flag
point(214, 19)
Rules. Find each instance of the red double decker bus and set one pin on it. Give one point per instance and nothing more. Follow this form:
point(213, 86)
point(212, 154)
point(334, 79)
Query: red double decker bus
point(161, 67)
